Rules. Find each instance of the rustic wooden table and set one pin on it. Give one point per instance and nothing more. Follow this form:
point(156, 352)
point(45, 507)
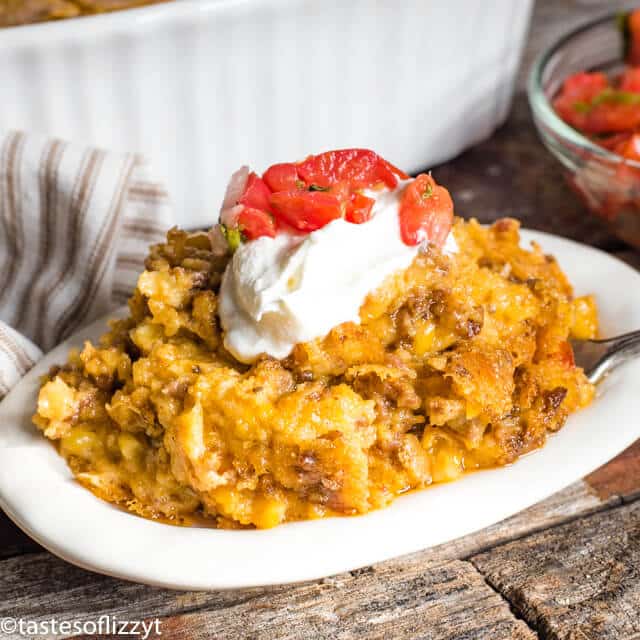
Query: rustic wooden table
point(568, 567)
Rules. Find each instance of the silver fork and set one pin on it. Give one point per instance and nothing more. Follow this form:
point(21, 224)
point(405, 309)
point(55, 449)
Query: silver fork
point(599, 357)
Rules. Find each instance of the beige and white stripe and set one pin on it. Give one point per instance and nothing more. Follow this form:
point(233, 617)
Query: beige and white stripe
point(75, 225)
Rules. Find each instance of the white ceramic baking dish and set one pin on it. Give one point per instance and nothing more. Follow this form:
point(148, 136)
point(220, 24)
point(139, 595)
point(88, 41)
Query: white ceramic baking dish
point(202, 86)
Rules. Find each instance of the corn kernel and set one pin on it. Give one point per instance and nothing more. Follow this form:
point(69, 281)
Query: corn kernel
point(424, 339)
point(81, 442)
point(268, 512)
point(585, 318)
point(130, 447)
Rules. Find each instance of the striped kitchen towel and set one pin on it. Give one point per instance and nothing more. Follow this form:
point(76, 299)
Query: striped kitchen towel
point(75, 225)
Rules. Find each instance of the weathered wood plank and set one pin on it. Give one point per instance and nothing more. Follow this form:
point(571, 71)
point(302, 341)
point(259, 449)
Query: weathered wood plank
point(440, 601)
point(40, 586)
point(620, 477)
point(575, 501)
point(579, 580)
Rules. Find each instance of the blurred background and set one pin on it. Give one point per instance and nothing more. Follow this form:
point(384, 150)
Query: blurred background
point(512, 173)
point(203, 86)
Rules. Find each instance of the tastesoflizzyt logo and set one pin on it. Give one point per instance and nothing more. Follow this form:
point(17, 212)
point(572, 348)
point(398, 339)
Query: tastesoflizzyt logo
point(104, 625)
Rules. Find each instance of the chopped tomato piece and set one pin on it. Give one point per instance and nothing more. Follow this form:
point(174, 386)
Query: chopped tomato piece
point(282, 177)
point(307, 195)
point(389, 173)
point(426, 212)
point(633, 26)
point(341, 190)
point(590, 104)
point(630, 80)
point(361, 168)
point(581, 87)
point(254, 223)
point(256, 194)
point(359, 208)
point(584, 86)
point(307, 210)
point(577, 95)
point(612, 116)
point(612, 141)
point(327, 168)
point(606, 109)
point(629, 148)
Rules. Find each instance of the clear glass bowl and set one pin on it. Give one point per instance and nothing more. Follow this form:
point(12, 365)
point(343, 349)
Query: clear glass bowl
point(608, 184)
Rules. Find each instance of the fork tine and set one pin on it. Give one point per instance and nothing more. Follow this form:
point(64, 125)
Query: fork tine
point(623, 337)
point(620, 349)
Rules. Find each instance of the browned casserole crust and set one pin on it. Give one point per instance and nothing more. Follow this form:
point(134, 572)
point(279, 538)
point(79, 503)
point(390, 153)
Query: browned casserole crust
point(460, 362)
point(16, 12)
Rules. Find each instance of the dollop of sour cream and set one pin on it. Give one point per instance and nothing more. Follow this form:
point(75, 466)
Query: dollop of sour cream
point(277, 292)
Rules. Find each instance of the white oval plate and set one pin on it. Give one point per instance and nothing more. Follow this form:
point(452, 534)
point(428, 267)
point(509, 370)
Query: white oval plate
point(39, 494)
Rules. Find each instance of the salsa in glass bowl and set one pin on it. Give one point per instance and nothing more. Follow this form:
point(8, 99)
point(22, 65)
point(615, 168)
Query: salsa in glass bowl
point(584, 93)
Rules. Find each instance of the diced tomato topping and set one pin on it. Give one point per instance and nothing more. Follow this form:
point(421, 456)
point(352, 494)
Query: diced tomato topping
point(341, 190)
point(589, 103)
point(362, 168)
point(612, 117)
point(630, 80)
point(307, 210)
point(584, 86)
point(629, 148)
point(610, 112)
point(633, 24)
point(607, 111)
point(426, 212)
point(577, 95)
point(359, 208)
point(389, 173)
point(256, 194)
point(282, 177)
point(327, 168)
point(254, 223)
point(613, 141)
point(580, 88)
point(307, 195)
